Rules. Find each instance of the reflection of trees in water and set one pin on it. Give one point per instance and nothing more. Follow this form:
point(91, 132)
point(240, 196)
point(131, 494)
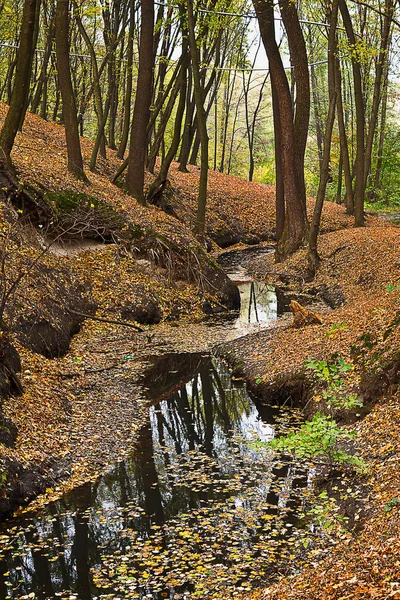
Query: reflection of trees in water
point(147, 477)
point(200, 418)
point(261, 303)
point(206, 408)
point(84, 543)
point(57, 550)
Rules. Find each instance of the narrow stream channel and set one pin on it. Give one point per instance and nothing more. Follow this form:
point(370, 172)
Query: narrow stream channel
point(195, 511)
point(260, 303)
point(200, 509)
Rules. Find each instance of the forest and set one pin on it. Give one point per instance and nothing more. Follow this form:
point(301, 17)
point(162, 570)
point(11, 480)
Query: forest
point(199, 299)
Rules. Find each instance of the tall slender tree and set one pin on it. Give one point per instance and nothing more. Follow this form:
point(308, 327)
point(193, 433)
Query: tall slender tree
point(141, 112)
point(313, 256)
point(298, 54)
point(295, 229)
point(19, 97)
point(75, 160)
point(359, 186)
point(201, 122)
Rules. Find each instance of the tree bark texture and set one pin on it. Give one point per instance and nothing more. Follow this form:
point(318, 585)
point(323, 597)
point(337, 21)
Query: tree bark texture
point(19, 96)
point(298, 54)
point(201, 123)
point(359, 186)
point(75, 161)
point(313, 256)
point(296, 227)
point(141, 111)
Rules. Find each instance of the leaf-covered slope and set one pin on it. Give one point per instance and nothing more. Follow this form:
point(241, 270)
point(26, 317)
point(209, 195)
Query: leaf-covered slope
point(242, 211)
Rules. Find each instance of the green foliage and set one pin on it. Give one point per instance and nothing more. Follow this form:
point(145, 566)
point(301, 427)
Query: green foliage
point(318, 439)
point(315, 439)
point(361, 350)
point(391, 504)
point(393, 288)
point(387, 197)
point(68, 201)
point(335, 328)
point(331, 374)
point(324, 513)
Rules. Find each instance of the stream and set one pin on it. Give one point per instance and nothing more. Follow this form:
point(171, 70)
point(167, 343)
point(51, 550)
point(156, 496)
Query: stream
point(201, 508)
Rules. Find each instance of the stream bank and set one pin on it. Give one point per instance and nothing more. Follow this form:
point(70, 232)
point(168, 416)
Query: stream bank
point(108, 383)
point(195, 510)
point(102, 383)
point(82, 411)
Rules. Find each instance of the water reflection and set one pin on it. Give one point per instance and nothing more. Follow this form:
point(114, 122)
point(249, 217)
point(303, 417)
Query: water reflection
point(259, 303)
point(194, 498)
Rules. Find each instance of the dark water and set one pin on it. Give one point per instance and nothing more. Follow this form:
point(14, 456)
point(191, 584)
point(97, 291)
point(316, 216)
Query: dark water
point(196, 510)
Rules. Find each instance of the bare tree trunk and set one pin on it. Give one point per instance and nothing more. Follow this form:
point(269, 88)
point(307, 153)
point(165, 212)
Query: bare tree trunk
point(151, 161)
point(158, 185)
point(129, 84)
point(141, 112)
point(344, 147)
point(359, 187)
point(42, 83)
point(340, 180)
point(313, 256)
point(187, 130)
point(381, 143)
point(279, 186)
point(75, 161)
point(112, 23)
point(99, 136)
point(201, 123)
point(316, 101)
point(296, 226)
point(98, 102)
point(379, 72)
point(34, 44)
point(20, 91)
point(298, 53)
point(253, 127)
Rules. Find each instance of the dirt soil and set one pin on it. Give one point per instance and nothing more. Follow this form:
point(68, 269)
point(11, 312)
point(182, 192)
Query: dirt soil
point(81, 407)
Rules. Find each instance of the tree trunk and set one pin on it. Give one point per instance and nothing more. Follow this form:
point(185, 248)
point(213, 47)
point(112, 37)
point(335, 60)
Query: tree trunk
point(381, 143)
point(129, 84)
point(20, 91)
point(187, 130)
point(316, 101)
point(313, 257)
point(99, 136)
point(359, 187)
point(201, 123)
point(162, 127)
point(75, 161)
point(98, 102)
point(298, 54)
point(41, 88)
point(279, 188)
point(158, 185)
point(377, 95)
point(34, 44)
point(344, 147)
point(296, 227)
point(141, 112)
